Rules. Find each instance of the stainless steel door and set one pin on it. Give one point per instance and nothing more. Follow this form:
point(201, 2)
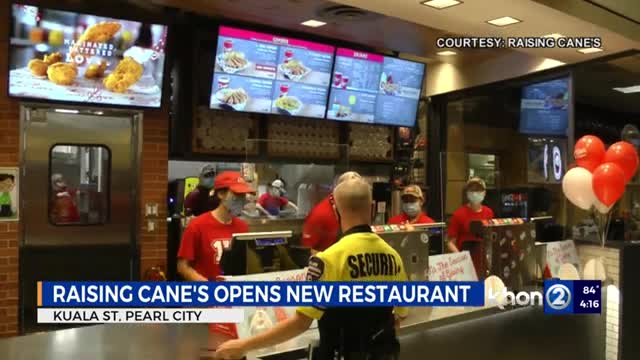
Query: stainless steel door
point(96, 153)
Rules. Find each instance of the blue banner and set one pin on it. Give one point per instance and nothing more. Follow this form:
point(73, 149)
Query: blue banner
point(295, 293)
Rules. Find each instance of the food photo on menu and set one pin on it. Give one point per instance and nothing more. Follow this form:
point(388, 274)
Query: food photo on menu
point(240, 93)
point(238, 53)
point(297, 99)
point(66, 56)
point(352, 106)
point(309, 66)
point(401, 78)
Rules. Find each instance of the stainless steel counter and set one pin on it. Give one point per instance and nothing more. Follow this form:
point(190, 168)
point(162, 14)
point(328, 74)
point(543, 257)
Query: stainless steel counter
point(455, 333)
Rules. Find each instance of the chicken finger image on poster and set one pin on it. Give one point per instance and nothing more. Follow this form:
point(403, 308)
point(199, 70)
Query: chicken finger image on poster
point(66, 56)
point(9, 194)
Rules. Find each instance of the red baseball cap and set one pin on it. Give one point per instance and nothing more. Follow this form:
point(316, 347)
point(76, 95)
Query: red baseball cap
point(233, 181)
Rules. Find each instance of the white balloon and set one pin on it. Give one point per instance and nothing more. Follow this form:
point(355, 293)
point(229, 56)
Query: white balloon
point(594, 270)
point(568, 272)
point(602, 208)
point(576, 186)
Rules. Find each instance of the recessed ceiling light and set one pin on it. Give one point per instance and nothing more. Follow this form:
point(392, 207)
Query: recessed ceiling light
point(504, 21)
point(628, 89)
point(590, 50)
point(555, 36)
point(446, 53)
point(441, 4)
point(314, 23)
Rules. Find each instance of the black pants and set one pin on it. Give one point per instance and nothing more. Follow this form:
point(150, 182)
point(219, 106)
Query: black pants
point(318, 354)
point(5, 211)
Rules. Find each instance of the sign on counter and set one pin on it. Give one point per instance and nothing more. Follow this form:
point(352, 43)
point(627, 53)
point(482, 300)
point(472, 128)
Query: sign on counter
point(559, 253)
point(259, 319)
point(452, 267)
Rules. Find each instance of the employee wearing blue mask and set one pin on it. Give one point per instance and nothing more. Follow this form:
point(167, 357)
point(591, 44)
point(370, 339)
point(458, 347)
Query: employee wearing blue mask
point(412, 203)
point(206, 236)
point(200, 201)
point(459, 234)
point(274, 200)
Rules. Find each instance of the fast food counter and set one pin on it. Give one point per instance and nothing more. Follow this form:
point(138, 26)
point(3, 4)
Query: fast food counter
point(523, 333)
point(289, 223)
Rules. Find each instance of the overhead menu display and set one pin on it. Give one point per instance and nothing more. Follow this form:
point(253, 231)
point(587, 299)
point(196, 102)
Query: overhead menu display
point(257, 72)
point(544, 108)
point(371, 88)
point(66, 56)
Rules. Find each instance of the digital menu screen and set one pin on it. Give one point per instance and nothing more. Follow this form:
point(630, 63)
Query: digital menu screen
point(257, 72)
point(544, 108)
point(72, 57)
point(547, 160)
point(376, 89)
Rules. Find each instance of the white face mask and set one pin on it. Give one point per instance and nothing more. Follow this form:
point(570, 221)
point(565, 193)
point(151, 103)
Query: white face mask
point(475, 197)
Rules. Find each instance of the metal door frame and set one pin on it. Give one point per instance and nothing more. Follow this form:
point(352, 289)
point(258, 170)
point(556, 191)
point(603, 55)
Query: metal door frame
point(136, 151)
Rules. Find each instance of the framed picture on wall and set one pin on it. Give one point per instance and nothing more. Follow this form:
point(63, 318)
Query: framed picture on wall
point(9, 205)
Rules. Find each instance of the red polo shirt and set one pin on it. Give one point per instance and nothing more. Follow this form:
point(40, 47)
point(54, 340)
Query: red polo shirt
point(403, 218)
point(203, 241)
point(321, 227)
point(459, 225)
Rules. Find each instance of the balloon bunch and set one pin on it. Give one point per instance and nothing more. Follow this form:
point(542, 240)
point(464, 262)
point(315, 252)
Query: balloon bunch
point(600, 178)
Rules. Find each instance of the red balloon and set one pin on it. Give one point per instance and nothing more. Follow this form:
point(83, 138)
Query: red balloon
point(608, 183)
point(624, 155)
point(589, 152)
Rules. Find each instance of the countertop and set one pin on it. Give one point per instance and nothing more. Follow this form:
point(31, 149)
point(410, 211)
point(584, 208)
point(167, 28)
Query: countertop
point(182, 341)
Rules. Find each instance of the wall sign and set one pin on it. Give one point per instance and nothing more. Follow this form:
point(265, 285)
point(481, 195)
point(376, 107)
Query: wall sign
point(452, 267)
point(9, 192)
point(259, 319)
point(561, 252)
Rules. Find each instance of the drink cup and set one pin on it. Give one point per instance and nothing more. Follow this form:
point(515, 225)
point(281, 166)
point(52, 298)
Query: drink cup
point(337, 80)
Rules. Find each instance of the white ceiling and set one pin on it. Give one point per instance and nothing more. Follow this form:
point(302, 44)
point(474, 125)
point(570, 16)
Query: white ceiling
point(470, 18)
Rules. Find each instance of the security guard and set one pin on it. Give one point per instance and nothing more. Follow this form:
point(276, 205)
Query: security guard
point(360, 255)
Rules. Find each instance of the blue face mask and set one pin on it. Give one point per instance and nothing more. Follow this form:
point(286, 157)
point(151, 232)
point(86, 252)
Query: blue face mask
point(234, 204)
point(207, 182)
point(411, 209)
point(475, 197)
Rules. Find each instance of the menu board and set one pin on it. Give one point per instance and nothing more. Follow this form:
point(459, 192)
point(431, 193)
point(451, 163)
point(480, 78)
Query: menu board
point(257, 72)
point(375, 89)
point(66, 56)
point(544, 108)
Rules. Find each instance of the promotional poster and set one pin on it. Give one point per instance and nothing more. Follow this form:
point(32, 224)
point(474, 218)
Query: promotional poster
point(65, 56)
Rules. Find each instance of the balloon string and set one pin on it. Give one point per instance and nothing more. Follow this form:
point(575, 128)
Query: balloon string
point(606, 229)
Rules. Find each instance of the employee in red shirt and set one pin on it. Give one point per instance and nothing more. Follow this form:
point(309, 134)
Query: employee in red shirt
point(199, 200)
point(208, 234)
point(412, 202)
point(321, 227)
point(275, 200)
point(459, 233)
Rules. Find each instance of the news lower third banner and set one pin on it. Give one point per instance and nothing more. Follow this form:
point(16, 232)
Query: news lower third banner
point(223, 302)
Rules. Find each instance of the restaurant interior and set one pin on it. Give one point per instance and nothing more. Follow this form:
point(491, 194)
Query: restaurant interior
point(363, 89)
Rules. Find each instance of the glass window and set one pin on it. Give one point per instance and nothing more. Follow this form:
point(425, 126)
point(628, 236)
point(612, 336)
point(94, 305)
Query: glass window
point(79, 184)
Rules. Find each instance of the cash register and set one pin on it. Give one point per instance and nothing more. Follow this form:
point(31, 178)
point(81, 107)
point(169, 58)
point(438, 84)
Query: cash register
point(261, 252)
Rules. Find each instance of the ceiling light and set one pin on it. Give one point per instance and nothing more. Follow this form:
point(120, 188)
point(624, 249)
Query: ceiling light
point(66, 111)
point(555, 36)
point(314, 23)
point(590, 50)
point(504, 21)
point(441, 4)
point(446, 53)
point(628, 89)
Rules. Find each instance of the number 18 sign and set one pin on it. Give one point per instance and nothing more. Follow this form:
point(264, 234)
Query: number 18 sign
point(572, 297)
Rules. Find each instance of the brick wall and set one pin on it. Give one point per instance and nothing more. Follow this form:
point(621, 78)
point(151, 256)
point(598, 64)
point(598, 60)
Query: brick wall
point(9, 120)
point(155, 152)
point(153, 190)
